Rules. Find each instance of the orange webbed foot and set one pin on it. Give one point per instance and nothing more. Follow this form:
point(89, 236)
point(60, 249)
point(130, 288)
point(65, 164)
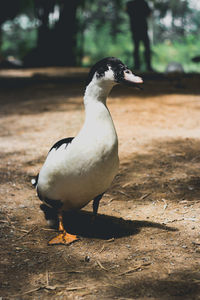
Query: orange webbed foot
point(63, 238)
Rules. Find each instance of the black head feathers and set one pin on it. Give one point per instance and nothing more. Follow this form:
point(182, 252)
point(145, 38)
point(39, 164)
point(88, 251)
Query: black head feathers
point(103, 65)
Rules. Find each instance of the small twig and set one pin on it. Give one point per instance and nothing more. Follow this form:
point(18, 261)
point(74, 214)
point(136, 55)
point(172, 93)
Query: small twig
point(172, 221)
point(165, 205)
point(47, 229)
point(89, 287)
point(53, 287)
point(134, 269)
point(144, 196)
point(127, 184)
point(4, 221)
point(47, 277)
point(22, 230)
point(76, 288)
point(69, 272)
point(46, 287)
point(28, 292)
point(196, 243)
point(196, 281)
point(29, 242)
point(9, 224)
point(31, 230)
point(59, 272)
point(130, 271)
point(110, 240)
point(111, 200)
point(86, 294)
point(100, 265)
point(123, 193)
point(171, 189)
point(103, 247)
point(9, 220)
point(195, 158)
point(75, 272)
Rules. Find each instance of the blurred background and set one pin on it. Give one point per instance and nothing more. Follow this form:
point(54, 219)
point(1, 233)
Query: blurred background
point(39, 33)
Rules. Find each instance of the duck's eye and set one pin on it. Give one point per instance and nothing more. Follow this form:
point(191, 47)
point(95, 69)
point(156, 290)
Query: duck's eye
point(128, 72)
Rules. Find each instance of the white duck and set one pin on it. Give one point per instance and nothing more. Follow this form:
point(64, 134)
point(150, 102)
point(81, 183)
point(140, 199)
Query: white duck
point(78, 170)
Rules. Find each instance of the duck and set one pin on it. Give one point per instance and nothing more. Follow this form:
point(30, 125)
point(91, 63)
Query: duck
point(80, 169)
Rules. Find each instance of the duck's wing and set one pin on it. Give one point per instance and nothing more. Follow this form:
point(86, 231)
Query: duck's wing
point(56, 146)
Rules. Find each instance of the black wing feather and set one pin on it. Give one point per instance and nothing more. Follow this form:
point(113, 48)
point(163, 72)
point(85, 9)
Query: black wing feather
point(58, 144)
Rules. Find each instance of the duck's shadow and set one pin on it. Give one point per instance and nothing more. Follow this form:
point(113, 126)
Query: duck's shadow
point(85, 224)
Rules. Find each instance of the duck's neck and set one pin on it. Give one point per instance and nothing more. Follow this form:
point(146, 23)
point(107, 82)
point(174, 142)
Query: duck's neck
point(98, 125)
point(96, 93)
point(97, 115)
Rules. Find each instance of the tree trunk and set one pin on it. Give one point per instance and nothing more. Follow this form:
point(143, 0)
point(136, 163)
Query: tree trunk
point(64, 41)
point(55, 46)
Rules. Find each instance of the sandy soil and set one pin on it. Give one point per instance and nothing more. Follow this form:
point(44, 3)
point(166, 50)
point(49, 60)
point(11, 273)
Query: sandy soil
point(145, 241)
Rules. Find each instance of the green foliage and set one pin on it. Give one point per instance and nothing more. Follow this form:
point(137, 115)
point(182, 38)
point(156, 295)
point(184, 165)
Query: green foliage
point(162, 53)
point(179, 51)
point(175, 41)
point(103, 30)
point(101, 44)
point(18, 37)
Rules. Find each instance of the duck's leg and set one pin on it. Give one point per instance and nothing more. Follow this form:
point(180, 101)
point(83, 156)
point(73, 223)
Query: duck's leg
point(96, 203)
point(64, 237)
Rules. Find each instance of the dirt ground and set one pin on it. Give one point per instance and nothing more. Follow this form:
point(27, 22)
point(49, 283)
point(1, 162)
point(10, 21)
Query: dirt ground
point(145, 241)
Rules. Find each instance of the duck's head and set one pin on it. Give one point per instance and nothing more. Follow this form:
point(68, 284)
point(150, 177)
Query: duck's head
point(111, 70)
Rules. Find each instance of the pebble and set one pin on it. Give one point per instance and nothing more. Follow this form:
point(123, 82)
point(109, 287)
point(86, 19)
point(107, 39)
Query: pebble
point(145, 259)
point(18, 249)
point(22, 206)
point(87, 258)
point(193, 219)
point(197, 243)
point(191, 188)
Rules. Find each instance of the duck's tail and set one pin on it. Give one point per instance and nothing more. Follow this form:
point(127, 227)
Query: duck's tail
point(34, 181)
